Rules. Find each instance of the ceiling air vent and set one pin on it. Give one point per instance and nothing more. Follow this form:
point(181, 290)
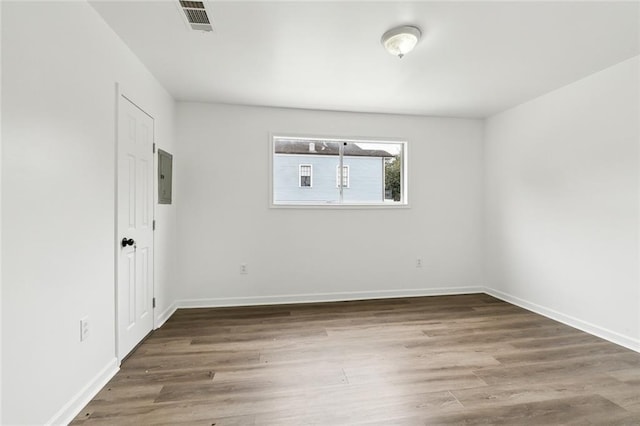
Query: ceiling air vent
point(195, 12)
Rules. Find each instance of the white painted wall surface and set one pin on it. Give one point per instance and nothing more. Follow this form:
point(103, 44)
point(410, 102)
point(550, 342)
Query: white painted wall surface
point(562, 205)
point(320, 254)
point(165, 237)
point(60, 65)
point(561, 216)
point(0, 214)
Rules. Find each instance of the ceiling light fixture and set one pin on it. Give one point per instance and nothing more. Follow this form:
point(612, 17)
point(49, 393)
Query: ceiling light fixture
point(401, 40)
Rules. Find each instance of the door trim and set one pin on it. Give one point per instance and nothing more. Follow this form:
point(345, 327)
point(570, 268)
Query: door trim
point(121, 93)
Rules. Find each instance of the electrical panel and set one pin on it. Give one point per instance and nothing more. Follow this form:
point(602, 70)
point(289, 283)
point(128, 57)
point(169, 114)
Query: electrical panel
point(165, 176)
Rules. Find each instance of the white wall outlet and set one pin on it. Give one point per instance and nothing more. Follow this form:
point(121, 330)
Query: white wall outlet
point(419, 262)
point(84, 329)
point(243, 269)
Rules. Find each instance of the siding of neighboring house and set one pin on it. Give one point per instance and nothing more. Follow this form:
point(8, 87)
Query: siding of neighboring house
point(366, 179)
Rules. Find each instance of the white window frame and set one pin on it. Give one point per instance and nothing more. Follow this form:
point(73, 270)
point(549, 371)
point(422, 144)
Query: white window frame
point(300, 166)
point(334, 205)
point(346, 166)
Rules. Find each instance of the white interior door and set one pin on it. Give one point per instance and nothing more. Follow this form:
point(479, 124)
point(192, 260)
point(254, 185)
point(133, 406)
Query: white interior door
point(134, 226)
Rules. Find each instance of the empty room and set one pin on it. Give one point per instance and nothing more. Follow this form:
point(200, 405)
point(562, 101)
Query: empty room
point(231, 213)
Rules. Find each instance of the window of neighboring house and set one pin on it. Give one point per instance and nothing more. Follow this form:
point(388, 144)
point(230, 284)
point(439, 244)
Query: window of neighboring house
point(373, 171)
point(345, 176)
point(304, 172)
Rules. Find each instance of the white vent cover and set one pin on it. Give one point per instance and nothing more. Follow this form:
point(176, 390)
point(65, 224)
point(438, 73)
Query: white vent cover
point(195, 13)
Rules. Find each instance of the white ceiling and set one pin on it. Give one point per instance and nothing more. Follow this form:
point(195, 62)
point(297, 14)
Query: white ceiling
point(475, 58)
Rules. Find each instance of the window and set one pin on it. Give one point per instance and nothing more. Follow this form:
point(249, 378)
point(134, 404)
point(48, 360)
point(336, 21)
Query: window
point(345, 176)
point(305, 175)
point(338, 172)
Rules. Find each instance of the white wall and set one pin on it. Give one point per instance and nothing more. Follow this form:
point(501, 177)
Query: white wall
point(562, 203)
point(166, 281)
point(561, 214)
point(60, 65)
point(0, 215)
point(322, 254)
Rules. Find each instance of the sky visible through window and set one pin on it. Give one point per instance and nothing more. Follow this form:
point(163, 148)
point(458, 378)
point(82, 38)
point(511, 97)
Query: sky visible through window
point(392, 148)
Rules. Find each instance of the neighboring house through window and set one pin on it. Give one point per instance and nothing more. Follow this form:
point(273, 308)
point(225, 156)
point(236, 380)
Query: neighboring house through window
point(334, 171)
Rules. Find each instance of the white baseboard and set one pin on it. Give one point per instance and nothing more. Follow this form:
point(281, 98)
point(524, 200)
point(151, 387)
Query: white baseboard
point(164, 316)
point(67, 413)
point(71, 409)
point(612, 336)
point(324, 297)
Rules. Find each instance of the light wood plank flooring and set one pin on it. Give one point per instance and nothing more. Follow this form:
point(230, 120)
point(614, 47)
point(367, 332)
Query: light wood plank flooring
point(468, 359)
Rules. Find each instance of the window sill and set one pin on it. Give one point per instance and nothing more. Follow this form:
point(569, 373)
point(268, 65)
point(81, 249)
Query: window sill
point(355, 206)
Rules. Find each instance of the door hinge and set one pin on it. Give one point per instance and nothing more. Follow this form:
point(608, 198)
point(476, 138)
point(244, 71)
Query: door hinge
point(154, 147)
point(154, 302)
point(153, 225)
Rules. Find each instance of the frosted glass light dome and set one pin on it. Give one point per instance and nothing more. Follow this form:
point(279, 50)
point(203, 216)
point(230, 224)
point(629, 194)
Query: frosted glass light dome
point(401, 40)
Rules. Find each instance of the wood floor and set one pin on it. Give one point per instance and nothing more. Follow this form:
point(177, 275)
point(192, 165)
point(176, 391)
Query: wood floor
point(468, 359)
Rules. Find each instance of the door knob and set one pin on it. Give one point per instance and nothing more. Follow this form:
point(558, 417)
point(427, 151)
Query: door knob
point(127, 242)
